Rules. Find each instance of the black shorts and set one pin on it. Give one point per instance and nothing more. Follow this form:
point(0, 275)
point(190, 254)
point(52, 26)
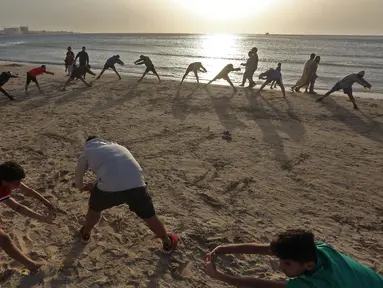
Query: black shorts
point(151, 69)
point(107, 66)
point(347, 91)
point(138, 200)
point(30, 78)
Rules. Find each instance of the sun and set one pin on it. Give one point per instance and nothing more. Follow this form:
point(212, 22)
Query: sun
point(225, 9)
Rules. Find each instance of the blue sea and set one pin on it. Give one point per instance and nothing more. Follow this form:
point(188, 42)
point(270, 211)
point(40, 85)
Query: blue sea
point(171, 54)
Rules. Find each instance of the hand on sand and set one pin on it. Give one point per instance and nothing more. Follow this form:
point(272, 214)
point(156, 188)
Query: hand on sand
point(211, 270)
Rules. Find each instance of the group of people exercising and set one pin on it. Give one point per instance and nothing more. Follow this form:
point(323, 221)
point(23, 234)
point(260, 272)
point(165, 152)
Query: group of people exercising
point(271, 76)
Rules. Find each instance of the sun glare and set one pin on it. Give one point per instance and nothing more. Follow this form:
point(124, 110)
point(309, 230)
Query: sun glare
point(225, 9)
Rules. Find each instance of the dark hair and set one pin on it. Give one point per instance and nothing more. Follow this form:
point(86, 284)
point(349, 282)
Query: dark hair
point(83, 47)
point(296, 245)
point(312, 55)
point(279, 64)
point(43, 66)
point(90, 138)
point(11, 171)
point(69, 48)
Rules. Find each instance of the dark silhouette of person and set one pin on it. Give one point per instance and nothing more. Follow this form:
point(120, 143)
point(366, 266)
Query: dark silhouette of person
point(274, 83)
point(270, 76)
point(346, 85)
point(4, 78)
point(110, 64)
point(69, 61)
point(251, 67)
point(83, 57)
point(195, 67)
point(149, 66)
point(79, 73)
point(224, 74)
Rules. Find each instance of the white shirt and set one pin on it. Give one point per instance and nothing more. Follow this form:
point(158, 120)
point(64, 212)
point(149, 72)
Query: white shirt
point(115, 167)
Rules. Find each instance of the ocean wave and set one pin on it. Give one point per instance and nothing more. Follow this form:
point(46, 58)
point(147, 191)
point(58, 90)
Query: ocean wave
point(8, 44)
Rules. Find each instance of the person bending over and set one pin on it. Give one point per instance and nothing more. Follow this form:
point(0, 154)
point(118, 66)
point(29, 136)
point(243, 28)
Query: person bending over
point(110, 64)
point(4, 78)
point(79, 73)
point(11, 176)
point(195, 67)
point(119, 181)
point(149, 66)
point(224, 74)
point(309, 264)
point(346, 85)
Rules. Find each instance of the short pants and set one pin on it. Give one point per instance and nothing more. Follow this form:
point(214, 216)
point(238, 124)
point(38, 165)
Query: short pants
point(138, 200)
point(338, 87)
point(30, 78)
point(107, 66)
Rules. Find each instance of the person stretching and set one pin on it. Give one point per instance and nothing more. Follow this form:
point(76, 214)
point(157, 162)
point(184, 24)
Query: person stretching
point(346, 85)
point(11, 176)
point(270, 76)
point(308, 263)
point(119, 181)
point(79, 73)
point(32, 76)
point(110, 64)
point(149, 66)
point(4, 78)
point(224, 74)
point(195, 67)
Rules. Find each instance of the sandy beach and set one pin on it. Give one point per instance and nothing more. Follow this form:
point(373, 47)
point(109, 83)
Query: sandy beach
point(291, 163)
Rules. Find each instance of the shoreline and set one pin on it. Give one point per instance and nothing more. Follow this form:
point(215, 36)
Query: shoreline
point(59, 69)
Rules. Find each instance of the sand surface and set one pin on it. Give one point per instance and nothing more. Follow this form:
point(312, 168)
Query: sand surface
point(291, 163)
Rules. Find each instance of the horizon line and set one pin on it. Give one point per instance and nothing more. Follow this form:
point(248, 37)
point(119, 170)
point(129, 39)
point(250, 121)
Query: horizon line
point(191, 33)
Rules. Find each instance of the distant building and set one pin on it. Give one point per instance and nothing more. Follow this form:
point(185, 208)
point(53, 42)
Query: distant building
point(12, 30)
point(24, 29)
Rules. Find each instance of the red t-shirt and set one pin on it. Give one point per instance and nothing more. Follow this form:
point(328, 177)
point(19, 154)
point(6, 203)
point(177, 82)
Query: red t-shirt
point(5, 193)
point(36, 71)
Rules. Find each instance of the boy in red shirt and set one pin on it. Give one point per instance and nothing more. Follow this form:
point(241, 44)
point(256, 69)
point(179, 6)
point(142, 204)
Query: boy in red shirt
point(32, 76)
point(11, 175)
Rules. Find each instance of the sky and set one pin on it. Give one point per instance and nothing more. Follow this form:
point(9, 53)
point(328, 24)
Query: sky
point(339, 17)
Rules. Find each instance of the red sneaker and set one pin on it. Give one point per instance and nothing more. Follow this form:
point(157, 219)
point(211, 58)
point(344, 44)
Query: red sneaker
point(169, 248)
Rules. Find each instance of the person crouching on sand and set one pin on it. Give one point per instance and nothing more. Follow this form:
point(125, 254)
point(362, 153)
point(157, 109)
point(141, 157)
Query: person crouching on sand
point(32, 76)
point(120, 180)
point(307, 263)
point(110, 64)
point(79, 73)
point(11, 175)
point(149, 67)
point(346, 85)
point(224, 74)
point(195, 67)
point(270, 76)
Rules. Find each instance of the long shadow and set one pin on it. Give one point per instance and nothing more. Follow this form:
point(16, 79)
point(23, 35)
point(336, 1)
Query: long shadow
point(372, 129)
point(130, 95)
point(60, 280)
point(162, 267)
point(221, 106)
point(180, 104)
point(269, 130)
point(297, 131)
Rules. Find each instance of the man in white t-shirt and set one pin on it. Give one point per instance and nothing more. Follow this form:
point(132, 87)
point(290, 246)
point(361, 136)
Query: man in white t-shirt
point(119, 181)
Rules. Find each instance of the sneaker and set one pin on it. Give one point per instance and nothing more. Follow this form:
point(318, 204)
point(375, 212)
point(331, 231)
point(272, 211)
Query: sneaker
point(85, 238)
point(169, 248)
